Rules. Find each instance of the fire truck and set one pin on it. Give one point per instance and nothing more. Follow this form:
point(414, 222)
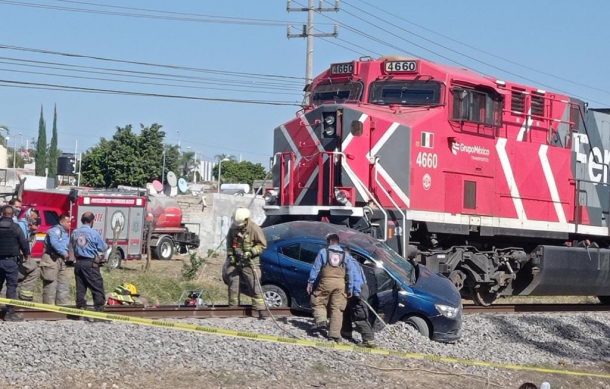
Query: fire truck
point(503, 187)
point(120, 217)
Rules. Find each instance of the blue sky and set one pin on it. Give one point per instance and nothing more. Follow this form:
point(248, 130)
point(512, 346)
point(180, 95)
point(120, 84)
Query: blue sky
point(561, 45)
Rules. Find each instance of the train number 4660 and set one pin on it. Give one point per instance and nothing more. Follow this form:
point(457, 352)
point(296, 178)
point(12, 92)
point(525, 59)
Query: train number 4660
point(428, 160)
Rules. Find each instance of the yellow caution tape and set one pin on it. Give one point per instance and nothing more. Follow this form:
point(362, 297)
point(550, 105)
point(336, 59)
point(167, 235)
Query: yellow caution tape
point(300, 342)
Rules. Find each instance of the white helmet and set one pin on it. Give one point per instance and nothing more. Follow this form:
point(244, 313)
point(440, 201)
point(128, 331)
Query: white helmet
point(240, 216)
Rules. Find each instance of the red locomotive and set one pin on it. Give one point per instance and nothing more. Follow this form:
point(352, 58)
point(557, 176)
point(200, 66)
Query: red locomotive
point(503, 187)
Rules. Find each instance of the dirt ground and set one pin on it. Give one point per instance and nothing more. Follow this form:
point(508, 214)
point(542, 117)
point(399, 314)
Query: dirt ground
point(412, 375)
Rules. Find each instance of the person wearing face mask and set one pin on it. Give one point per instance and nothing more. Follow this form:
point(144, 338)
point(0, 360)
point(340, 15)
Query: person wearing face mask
point(245, 244)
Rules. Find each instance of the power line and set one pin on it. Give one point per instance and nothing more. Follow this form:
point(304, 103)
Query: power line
point(143, 75)
point(448, 58)
point(131, 62)
point(199, 19)
point(142, 82)
point(35, 85)
point(508, 60)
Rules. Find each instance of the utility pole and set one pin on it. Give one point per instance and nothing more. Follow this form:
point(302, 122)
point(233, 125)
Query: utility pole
point(308, 33)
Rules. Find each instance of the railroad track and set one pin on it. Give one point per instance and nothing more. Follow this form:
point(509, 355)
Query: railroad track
point(161, 312)
point(530, 308)
point(223, 311)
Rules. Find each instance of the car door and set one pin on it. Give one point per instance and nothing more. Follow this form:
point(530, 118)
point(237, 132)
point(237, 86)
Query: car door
point(296, 260)
point(382, 290)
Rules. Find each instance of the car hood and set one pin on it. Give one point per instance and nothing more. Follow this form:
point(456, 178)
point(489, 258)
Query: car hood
point(437, 286)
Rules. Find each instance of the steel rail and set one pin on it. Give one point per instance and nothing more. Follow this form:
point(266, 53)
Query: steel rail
point(161, 312)
point(538, 308)
point(223, 311)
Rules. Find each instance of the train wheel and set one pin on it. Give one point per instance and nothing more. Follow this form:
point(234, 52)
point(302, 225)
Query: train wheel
point(482, 296)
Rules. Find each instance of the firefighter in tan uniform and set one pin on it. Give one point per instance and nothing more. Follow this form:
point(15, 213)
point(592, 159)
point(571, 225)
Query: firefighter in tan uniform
point(245, 244)
point(327, 286)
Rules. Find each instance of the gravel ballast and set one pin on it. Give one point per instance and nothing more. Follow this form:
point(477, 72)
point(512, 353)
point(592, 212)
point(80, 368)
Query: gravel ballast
point(55, 354)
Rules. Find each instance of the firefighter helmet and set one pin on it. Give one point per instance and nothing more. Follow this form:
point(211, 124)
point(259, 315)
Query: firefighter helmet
point(130, 288)
point(241, 216)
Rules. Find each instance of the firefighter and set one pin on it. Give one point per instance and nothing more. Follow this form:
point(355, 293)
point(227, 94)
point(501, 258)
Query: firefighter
point(87, 245)
point(356, 311)
point(29, 272)
point(327, 286)
point(12, 243)
point(53, 265)
point(245, 244)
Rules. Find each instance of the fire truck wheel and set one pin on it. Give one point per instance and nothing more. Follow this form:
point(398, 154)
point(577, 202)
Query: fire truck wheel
point(165, 248)
point(115, 259)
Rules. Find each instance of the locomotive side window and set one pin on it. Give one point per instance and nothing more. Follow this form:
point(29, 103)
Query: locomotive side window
point(477, 106)
point(405, 93)
point(336, 93)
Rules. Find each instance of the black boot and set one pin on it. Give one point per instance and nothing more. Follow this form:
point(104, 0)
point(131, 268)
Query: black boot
point(11, 315)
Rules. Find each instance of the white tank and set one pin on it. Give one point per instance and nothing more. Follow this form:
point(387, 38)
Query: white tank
point(235, 188)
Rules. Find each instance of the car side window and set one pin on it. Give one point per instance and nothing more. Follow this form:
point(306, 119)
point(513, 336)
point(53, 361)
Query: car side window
point(309, 252)
point(384, 281)
point(292, 251)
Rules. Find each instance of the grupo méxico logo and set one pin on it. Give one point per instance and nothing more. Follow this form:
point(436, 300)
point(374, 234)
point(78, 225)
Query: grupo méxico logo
point(457, 147)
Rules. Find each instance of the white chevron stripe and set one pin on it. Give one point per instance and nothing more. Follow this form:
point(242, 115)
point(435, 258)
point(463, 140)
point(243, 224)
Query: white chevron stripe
point(510, 178)
point(525, 127)
point(294, 148)
point(550, 180)
point(384, 138)
point(393, 185)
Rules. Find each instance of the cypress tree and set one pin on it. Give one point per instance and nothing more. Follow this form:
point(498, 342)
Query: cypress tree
point(53, 152)
point(41, 146)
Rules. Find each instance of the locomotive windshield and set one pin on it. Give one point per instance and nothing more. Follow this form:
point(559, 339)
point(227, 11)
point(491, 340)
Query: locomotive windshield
point(337, 93)
point(408, 92)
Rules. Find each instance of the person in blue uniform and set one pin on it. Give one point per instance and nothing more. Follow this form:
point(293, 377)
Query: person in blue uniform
point(88, 247)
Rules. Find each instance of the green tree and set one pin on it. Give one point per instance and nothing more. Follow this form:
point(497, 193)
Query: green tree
point(244, 172)
point(128, 158)
point(53, 151)
point(41, 149)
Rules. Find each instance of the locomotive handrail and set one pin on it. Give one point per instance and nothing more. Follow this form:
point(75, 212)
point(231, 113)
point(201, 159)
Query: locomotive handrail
point(365, 189)
point(290, 189)
point(404, 215)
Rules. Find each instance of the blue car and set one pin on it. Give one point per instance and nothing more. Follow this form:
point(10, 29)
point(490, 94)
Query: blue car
point(399, 289)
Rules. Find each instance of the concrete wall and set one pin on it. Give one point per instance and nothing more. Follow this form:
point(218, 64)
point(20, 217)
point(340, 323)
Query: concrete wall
point(214, 221)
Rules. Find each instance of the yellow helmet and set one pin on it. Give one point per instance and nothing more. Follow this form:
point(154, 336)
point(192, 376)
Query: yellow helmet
point(241, 216)
point(131, 288)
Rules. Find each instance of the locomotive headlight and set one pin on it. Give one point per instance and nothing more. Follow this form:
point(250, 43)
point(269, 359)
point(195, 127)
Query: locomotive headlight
point(447, 311)
point(329, 124)
point(329, 120)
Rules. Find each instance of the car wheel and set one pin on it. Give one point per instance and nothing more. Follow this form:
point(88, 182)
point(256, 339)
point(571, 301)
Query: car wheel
point(165, 248)
point(275, 297)
point(419, 324)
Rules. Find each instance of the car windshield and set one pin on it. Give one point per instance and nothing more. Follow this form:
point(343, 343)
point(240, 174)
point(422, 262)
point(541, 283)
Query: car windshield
point(409, 92)
point(336, 93)
point(378, 250)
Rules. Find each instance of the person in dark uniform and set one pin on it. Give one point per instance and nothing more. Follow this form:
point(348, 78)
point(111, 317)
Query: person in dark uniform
point(12, 243)
point(356, 311)
point(88, 245)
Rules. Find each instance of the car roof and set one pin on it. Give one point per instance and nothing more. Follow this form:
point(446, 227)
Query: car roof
point(318, 230)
